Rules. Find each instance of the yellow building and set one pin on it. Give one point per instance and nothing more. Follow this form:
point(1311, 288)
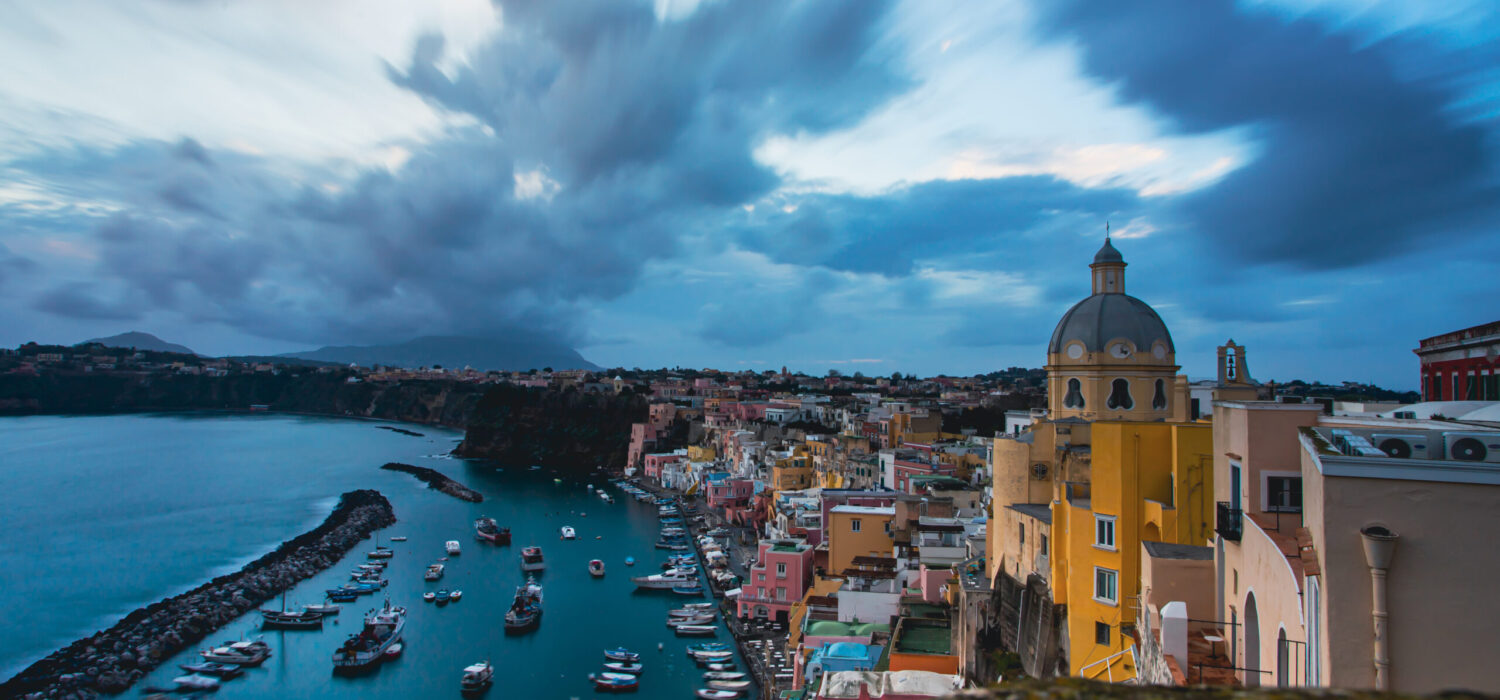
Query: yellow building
point(858, 531)
point(701, 453)
point(1148, 481)
point(792, 473)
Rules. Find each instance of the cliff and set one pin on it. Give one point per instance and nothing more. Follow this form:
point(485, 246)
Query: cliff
point(567, 428)
point(440, 402)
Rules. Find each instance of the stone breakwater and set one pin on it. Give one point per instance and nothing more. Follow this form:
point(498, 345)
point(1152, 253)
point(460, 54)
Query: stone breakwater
point(437, 480)
point(112, 660)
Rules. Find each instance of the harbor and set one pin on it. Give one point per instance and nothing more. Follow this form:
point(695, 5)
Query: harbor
point(439, 643)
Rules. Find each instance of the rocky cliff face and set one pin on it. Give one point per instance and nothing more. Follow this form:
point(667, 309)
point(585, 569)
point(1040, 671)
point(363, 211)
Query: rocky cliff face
point(568, 428)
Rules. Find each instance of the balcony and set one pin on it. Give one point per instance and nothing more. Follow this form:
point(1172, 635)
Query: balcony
point(1231, 522)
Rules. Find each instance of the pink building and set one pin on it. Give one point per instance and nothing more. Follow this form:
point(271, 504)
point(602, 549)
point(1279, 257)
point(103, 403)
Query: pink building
point(905, 469)
point(730, 493)
point(655, 462)
point(780, 578)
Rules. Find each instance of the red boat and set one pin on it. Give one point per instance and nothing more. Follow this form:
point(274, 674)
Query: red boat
point(485, 529)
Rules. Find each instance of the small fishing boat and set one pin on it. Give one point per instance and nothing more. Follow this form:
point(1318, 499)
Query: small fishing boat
point(686, 611)
point(453, 548)
point(380, 553)
point(324, 609)
point(531, 559)
point(209, 668)
point(525, 611)
point(614, 682)
point(693, 589)
point(696, 630)
point(701, 606)
point(719, 665)
point(663, 581)
point(193, 682)
point(596, 568)
point(443, 596)
point(341, 595)
point(568, 533)
point(394, 651)
point(382, 629)
point(399, 538)
point(477, 677)
point(716, 656)
point(621, 654)
point(434, 572)
point(729, 685)
point(675, 622)
point(713, 694)
point(429, 596)
point(724, 676)
point(485, 529)
point(708, 647)
point(295, 620)
point(624, 667)
point(456, 595)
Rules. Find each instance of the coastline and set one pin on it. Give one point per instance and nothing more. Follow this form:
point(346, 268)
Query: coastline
point(112, 660)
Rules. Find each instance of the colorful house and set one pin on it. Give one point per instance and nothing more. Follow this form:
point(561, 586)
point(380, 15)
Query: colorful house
point(855, 531)
point(780, 578)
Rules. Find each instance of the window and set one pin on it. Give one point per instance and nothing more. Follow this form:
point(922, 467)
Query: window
point(781, 569)
point(1454, 395)
point(854, 525)
point(1284, 494)
point(1044, 545)
point(1074, 399)
point(1119, 395)
point(1104, 531)
point(1105, 585)
point(1159, 400)
point(1023, 534)
point(780, 593)
point(1101, 633)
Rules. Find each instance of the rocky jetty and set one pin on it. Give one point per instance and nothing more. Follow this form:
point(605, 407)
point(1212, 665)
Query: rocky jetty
point(402, 431)
point(437, 480)
point(112, 660)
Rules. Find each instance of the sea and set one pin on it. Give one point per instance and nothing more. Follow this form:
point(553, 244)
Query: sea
point(100, 515)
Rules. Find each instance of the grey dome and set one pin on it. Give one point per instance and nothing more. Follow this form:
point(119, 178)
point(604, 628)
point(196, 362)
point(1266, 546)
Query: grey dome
point(1104, 317)
point(1108, 254)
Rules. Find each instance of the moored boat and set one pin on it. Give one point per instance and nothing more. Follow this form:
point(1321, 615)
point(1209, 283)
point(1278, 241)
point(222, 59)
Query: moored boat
point(442, 597)
point(675, 622)
point(477, 677)
point(706, 647)
point(693, 589)
point(696, 630)
point(624, 667)
point(399, 538)
point(434, 572)
point(456, 595)
point(382, 629)
point(238, 653)
point(729, 685)
point(621, 654)
point(531, 559)
point(485, 529)
point(193, 682)
point(429, 596)
point(614, 682)
point(453, 548)
point(324, 609)
point(210, 668)
point(663, 581)
point(283, 620)
point(525, 612)
point(714, 694)
point(568, 533)
point(724, 676)
point(394, 651)
point(596, 567)
point(719, 665)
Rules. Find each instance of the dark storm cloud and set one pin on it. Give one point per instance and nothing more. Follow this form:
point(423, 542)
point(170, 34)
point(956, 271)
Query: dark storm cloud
point(1355, 164)
point(603, 136)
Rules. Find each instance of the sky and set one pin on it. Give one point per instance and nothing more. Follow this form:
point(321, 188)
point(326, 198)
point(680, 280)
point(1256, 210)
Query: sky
point(864, 185)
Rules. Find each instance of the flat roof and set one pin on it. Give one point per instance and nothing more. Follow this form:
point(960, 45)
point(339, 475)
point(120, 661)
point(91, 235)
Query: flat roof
point(865, 510)
point(1167, 550)
point(1040, 511)
point(923, 639)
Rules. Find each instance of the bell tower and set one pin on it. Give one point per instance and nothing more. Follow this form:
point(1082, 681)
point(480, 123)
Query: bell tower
point(1108, 270)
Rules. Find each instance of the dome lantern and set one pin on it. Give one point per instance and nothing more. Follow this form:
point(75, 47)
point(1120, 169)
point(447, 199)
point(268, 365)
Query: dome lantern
point(1108, 270)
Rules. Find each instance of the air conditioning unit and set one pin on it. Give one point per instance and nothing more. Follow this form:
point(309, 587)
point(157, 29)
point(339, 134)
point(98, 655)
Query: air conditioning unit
point(1473, 447)
point(1403, 445)
point(1354, 445)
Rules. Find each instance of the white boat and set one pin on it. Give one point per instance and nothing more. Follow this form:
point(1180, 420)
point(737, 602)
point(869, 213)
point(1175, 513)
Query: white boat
point(700, 606)
point(624, 667)
point(723, 676)
point(568, 533)
point(675, 622)
point(664, 581)
point(456, 595)
point(531, 559)
point(434, 572)
point(238, 653)
point(453, 548)
point(713, 694)
point(398, 539)
point(323, 609)
point(477, 677)
point(382, 629)
point(196, 682)
point(729, 685)
point(696, 630)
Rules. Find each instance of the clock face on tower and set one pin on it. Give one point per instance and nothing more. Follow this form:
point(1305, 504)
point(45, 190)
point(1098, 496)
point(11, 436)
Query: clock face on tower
point(1119, 350)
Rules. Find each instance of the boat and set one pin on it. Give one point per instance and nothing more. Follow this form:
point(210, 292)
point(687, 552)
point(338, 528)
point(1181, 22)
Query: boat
point(701, 606)
point(708, 647)
point(596, 567)
point(624, 667)
point(663, 581)
point(729, 685)
point(380, 553)
point(694, 589)
point(531, 559)
point(193, 682)
point(568, 533)
point(690, 611)
point(443, 595)
point(713, 694)
point(621, 654)
point(394, 651)
point(324, 609)
point(485, 529)
point(399, 538)
point(239, 653)
point(689, 621)
point(456, 595)
point(434, 572)
point(382, 629)
point(296, 620)
point(724, 676)
point(429, 596)
point(696, 630)
point(477, 677)
point(341, 595)
point(209, 668)
point(614, 682)
point(719, 665)
point(453, 548)
point(525, 612)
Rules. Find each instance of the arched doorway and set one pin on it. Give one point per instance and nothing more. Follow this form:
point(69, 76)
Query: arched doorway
point(1252, 642)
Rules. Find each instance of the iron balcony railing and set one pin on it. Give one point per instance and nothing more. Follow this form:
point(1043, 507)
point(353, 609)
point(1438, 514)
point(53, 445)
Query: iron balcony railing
point(1231, 522)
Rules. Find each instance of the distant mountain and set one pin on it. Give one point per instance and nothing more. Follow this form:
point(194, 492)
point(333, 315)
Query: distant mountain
point(515, 351)
point(140, 341)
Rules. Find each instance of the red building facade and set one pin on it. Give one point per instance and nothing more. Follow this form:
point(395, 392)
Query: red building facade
point(1462, 365)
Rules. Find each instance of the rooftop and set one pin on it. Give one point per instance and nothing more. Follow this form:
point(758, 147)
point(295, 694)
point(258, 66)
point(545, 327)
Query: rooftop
point(1040, 511)
point(865, 510)
point(839, 628)
point(923, 639)
point(1167, 550)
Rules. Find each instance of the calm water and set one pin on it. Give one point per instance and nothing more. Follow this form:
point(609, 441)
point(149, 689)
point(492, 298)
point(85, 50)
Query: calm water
point(103, 514)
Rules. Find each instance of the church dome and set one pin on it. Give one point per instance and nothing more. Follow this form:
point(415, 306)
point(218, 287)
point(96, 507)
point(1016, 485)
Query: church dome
point(1108, 254)
point(1105, 317)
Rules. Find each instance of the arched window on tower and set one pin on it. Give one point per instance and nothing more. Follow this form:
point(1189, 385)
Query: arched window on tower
point(1119, 395)
point(1159, 400)
point(1074, 398)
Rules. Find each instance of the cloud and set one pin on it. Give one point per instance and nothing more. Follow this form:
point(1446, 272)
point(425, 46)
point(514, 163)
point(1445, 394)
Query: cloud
point(1356, 164)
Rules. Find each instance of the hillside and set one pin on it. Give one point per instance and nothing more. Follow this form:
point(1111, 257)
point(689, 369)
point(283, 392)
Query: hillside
point(140, 341)
point(515, 351)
